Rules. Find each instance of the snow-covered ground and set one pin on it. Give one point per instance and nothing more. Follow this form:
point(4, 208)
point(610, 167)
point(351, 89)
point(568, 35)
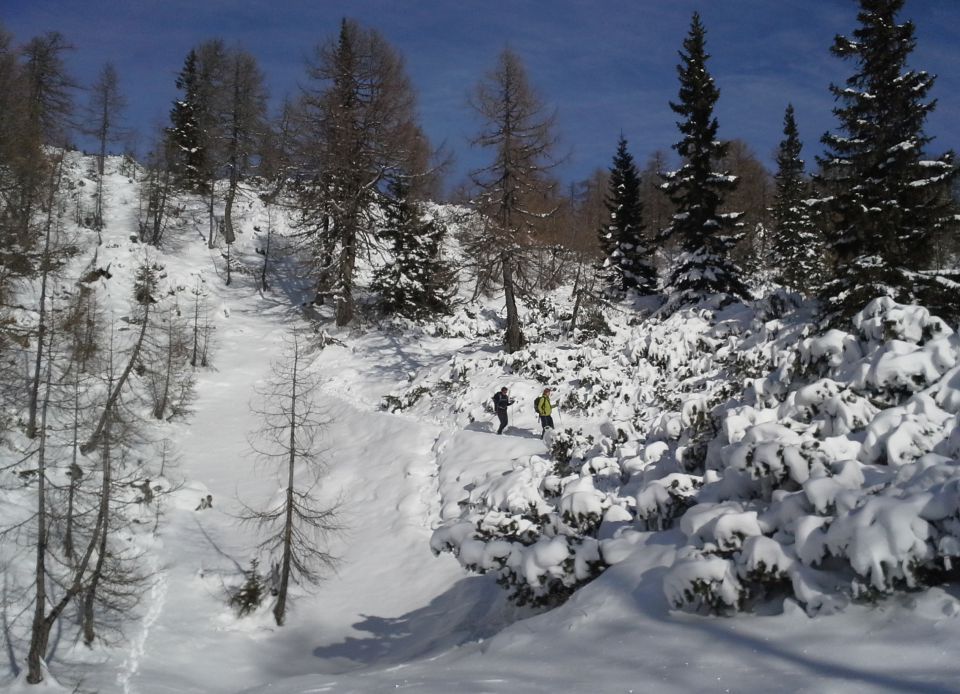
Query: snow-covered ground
point(395, 617)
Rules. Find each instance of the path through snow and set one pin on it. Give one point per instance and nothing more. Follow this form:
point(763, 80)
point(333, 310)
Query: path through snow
point(390, 600)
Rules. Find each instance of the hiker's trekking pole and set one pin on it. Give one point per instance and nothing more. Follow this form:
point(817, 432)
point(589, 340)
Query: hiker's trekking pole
point(559, 418)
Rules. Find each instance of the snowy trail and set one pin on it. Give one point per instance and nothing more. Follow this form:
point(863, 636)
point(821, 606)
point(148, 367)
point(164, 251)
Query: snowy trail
point(389, 601)
point(199, 552)
point(156, 599)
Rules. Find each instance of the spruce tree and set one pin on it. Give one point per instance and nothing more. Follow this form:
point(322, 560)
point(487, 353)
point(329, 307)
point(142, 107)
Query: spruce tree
point(417, 283)
point(705, 236)
point(190, 164)
point(629, 257)
point(886, 197)
point(797, 244)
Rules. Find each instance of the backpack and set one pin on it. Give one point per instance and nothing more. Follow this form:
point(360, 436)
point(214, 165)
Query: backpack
point(536, 405)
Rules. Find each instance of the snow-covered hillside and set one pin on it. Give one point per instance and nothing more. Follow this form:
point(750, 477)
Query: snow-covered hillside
point(727, 458)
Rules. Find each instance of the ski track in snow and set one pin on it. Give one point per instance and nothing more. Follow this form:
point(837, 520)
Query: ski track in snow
point(156, 599)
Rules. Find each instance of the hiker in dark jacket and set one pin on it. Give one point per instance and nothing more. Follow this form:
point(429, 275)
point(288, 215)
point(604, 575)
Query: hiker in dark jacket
point(544, 409)
point(500, 404)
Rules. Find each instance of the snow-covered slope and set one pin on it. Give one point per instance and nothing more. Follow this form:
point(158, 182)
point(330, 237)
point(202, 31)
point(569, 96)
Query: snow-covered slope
point(411, 448)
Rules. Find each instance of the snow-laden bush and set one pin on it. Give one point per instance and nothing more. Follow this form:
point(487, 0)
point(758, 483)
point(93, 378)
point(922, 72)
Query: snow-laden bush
point(854, 477)
point(818, 466)
point(659, 503)
point(704, 582)
point(539, 541)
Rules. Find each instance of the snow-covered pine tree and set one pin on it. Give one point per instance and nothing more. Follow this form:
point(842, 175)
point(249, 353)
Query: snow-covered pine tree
point(705, 236)
point(629, 256)
point(886, 197)
point(417, 283)
point(797, 243)
point(190, 162)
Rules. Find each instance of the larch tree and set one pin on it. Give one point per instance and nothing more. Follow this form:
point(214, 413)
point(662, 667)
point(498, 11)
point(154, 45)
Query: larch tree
point(886, 198)
point(357, 124)
point(218, 128)
point(214, 74)
point(705, 236)
point(518, 131)
point(588, 211)
point(657, 208)
point(297, 523)
point(51, 257)
point(629, 254)
point(798, 249)
point(37, 103)
point(156, 191)
point(47, 93)
point(276, 168)
point(244, 129)
point(104, 109)
point(750, 199)
point(115, 580)
point(21, 170)
point(49, 87)
point(145, 289)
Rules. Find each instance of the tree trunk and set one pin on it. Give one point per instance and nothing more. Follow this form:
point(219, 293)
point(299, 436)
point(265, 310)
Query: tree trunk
point(75, 473)
point(103, 517)
point(228, 234)
point(45, 265)
point(101, 168)
point(161, 405)
point(40, 631)
point(266, 251)
point(514, 337)
point(159, 211)
point(345, 304)
point(279, 609)
point(326, 270)
point(94, 439)
point(43, 620)
point(212, 234)
point(578, 293)
point(196, 325)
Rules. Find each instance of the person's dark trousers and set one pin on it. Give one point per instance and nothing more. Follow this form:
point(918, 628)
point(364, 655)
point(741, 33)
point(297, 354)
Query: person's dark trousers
point(546, 421)
point(503, 420)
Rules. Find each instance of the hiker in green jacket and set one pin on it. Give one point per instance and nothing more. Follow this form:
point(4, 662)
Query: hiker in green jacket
point(544, 409)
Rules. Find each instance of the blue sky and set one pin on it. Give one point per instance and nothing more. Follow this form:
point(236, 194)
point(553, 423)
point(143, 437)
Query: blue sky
point(606, 65)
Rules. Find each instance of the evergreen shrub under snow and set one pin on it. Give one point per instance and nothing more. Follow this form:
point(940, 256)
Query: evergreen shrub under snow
point(819, 467)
